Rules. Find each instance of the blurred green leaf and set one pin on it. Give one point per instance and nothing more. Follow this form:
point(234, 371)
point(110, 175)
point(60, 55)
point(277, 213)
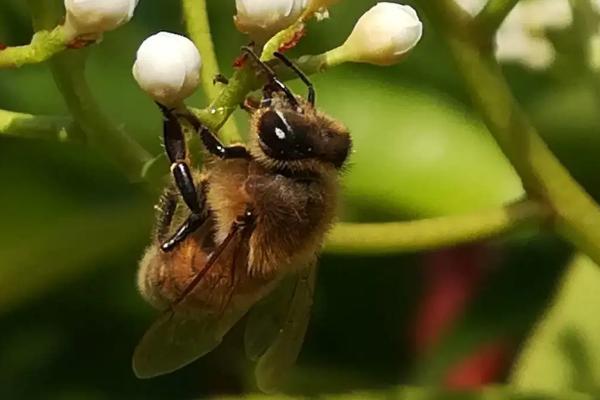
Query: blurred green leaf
point(56, 252)
point(563, 352)
point(415, 153)
point(64, 210)
point(414, 393)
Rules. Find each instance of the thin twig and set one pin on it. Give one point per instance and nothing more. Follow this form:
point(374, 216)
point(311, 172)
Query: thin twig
point(101, 132)
point(44, 44)
point(432, 233)
point(39, 127)
point(493, 14)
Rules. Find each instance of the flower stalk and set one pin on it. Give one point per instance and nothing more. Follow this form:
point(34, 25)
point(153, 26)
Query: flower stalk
point(44, 44)
point(195, 15)
point(491, 17)
point(575, 214)
point(39, 127)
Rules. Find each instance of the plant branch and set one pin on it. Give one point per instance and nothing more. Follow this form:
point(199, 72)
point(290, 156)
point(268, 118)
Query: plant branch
point(198, 27)
point(245, 81)
point(493, 14)
point(432, 233)
point(69, 75)
point(101, 133)
point(576, 215)
point(39, 127)
point(44, 44)
point(197, 24)
point(585, 27)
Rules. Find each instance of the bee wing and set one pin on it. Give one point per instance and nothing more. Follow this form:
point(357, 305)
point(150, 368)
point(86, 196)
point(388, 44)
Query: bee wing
point(177, 339)
point(184, 334)
point(276, 327)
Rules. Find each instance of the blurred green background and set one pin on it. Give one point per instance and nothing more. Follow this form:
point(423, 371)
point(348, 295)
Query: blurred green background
point(73, 230)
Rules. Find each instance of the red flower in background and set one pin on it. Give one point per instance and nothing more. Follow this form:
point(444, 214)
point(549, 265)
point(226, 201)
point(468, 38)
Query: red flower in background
point(452, 279)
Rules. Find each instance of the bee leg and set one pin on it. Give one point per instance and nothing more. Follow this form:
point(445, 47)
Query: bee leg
point(175, 147)
point(220, 78)
point(216, 148)
point(165, 209)
point(212, 142)
point(242, 223)
point(189, 226)
point(182, 175)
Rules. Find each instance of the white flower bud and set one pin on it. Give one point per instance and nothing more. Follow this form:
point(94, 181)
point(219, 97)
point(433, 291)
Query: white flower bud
point(167, 67)
point(381, 36)
point(261, 19)
point(97, 16)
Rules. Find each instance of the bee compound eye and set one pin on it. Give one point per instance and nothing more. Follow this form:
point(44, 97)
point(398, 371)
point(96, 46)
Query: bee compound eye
point(283, 135)
point(275, 133)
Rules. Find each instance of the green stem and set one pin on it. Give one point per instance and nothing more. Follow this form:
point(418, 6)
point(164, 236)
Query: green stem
point(197, 24)
point(44, 44)
point(285, 36)
point(69, 75)
point(39, 127)
point(493, 14)
point(585, 27)
point(245, 81)
point(198, 27)
point(229, 99)
point(112, 141)
point(432, 233)
point(576, 215)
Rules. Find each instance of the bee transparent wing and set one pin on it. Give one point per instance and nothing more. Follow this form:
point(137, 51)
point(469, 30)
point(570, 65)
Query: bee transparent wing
point(186, 333)
point(266, 318)
point(276, 327)
point(176, 339)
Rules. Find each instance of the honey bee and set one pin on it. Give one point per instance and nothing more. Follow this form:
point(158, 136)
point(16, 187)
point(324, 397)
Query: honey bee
point(242, 235)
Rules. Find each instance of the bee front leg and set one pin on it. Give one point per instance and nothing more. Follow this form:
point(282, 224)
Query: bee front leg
point(212, 142)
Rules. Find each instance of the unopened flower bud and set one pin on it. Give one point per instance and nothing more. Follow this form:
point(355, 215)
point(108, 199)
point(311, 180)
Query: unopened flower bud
point(381, 36)
point(86, 17)
point(167, 67)
point(261, 19)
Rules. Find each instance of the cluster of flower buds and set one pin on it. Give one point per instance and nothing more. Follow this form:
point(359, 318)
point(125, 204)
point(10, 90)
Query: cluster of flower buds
point(381, 36)
point(167, 67)
point(93, 17)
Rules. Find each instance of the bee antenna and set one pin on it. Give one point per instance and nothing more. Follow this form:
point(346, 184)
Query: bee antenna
point(272, 77)
point(311, 89)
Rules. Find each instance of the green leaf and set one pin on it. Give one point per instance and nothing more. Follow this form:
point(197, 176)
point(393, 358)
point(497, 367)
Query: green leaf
point(564, 351)
point(415, 152)
point(415, 393)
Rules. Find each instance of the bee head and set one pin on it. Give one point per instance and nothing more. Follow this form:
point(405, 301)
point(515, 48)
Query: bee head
point(287, 134)
point(290, 132)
